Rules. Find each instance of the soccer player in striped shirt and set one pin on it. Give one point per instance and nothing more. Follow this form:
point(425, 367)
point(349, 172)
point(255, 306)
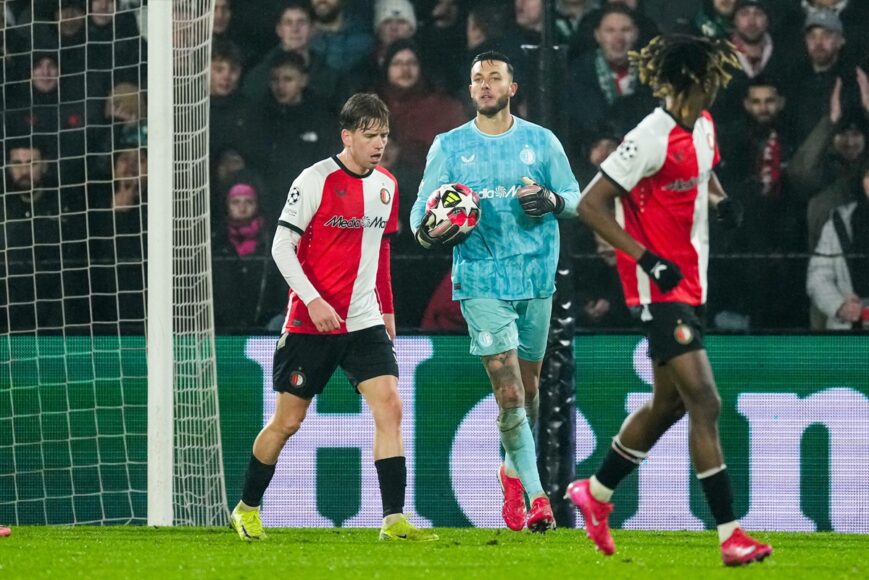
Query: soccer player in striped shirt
point(662, 183)
point(332, 249)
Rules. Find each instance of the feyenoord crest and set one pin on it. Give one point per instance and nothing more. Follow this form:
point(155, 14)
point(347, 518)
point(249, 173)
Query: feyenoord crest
point(297, 379)
point(683, 333)
point(385, 196)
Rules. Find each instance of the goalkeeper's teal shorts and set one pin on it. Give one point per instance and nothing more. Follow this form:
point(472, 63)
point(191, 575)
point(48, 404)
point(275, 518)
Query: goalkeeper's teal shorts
point(498, 326)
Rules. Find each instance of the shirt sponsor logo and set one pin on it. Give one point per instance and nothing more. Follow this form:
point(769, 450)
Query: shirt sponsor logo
point(498, 191)
point(339, 221)
point(688, 184)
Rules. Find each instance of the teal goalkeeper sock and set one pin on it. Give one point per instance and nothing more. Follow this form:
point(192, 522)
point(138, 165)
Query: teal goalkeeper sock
point(519, 449)
point(532, 411)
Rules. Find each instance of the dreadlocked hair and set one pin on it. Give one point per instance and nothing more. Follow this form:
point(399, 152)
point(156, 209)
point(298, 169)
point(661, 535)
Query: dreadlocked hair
point(672, 64)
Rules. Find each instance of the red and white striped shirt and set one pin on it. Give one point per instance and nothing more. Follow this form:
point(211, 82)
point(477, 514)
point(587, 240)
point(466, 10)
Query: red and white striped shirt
point(342, 218)
point(664, 170)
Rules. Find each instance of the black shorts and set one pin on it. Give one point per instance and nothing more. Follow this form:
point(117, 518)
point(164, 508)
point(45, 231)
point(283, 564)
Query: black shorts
point(673, 328)
point(304, 363)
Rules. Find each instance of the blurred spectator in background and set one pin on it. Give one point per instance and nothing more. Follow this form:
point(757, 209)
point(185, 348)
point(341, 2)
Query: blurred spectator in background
point(854, 15)
point(601, 141)
point(418, 111)
point(491, 26)
point(757, 52)
point(603, 85)
point(568, 22)
point(289, 130)
point(240, 243)
point(228, 107)
point(113, 47)
point(294, 28)
point(838, 277)
point(600, 299)
point(715, 19)
point(32, 216)
point(244, 232)
point(529, 18)
point(393, 20)
point(442, 41)
point(124, 120)
point(829, 157)
point(117, 223)
point(755, 150)
point(848, 146)
point(812, 80)
point(587, 38)
point(341, 38)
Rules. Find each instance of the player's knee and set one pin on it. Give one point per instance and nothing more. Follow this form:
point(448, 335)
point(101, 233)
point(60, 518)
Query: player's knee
point(705, 405)
point(390, 407)
point(286, 427)
point(511, 395)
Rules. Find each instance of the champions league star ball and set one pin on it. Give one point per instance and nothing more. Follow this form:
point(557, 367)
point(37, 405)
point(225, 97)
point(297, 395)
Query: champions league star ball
point(450, 205)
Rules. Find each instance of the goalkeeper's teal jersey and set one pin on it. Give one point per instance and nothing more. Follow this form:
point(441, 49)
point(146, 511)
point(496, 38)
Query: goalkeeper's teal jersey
point(509, 255)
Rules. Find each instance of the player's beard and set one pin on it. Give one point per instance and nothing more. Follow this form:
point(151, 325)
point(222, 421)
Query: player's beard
point(493, 110)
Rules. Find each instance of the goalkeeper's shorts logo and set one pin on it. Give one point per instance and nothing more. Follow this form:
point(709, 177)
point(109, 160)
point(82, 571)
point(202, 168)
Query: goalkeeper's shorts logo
point(485, 339)
point(297, 379)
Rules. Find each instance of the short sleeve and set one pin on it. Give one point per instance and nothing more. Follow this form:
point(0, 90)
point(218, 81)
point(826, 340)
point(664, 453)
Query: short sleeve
point(303, 201)
point(640, 155)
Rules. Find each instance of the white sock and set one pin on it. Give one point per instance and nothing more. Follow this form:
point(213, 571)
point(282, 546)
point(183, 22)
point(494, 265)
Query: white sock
point(243, 507)
point(391, 519)
point(726, 530)
point(599, 491)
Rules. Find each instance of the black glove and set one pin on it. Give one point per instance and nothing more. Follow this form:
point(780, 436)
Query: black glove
point(536, 200)
point(730, 213)
point(444, 235)
point(664, 273)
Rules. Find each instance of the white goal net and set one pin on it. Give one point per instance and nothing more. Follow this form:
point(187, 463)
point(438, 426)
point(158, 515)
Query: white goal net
point(74, 265)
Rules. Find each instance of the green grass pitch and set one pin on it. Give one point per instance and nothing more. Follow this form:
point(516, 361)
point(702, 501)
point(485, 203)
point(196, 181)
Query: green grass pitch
point(33, 552)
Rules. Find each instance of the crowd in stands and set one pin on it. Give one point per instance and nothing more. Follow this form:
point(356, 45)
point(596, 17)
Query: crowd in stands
point(792, 130)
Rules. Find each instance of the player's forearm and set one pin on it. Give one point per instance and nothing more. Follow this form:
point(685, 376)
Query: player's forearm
point(284, 255)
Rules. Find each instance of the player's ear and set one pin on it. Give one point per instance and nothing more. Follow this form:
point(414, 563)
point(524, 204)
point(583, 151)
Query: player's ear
point(514, 87)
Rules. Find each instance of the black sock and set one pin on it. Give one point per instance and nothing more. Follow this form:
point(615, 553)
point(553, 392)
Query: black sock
point(615, 468)
point(392, 475)
point(256, 480)
point(719, 496)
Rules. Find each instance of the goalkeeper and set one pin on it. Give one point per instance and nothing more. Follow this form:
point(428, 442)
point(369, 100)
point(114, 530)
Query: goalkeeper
point(504, 272)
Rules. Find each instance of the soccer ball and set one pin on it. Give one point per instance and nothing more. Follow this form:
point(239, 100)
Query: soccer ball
point(450, 205)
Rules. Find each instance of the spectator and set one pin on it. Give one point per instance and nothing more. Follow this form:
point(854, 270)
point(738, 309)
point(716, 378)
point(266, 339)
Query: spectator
point(241, 243)
point(600, 298)
point(568, 22)
point(32, 216)
point(228, 106)
point(294, 29)
point(602, 82)
point(113, 47)
point(854, 15)
point(393, 20)
point(757, 54)
point(418, 111)
point(490, 26)
point(831, 152)
point(343, 40)
point(529, 17)
point(442, 41)
point(124, 120)
point(715, 19)
point(290, 130)
point(838, 277)
point(755, 150)
point(244, 231)
point(587, 36)
point(117, 223)
point(811, 82)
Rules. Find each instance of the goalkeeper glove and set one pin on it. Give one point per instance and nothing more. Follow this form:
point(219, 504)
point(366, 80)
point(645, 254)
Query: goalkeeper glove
point(730, 212)
point(445, 234)
point(664, 273)
point(536, 200)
